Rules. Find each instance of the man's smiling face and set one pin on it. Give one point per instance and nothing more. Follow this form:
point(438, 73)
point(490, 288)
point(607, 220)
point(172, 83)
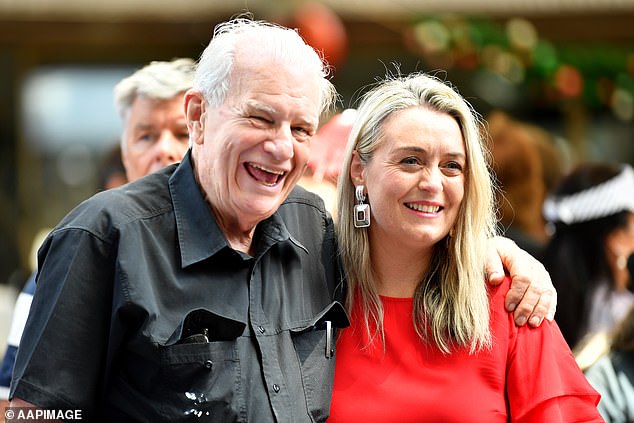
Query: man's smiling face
point(255, 146)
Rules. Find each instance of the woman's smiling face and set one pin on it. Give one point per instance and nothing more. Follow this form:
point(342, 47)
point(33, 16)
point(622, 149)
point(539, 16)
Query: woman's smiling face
point(415, 178)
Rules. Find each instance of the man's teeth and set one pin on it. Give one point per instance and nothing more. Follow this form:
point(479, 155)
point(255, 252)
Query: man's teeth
point(423, 208)
point(266, 176)
point(266, 169)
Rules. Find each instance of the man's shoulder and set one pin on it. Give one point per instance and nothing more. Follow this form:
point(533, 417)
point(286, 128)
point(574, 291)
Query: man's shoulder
point(141, 199)
point(146, 195)
point(305, 215)
point(300, 197)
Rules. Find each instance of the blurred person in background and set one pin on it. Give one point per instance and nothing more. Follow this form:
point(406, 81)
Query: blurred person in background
point(112, 173)
point(429, 341)
point(154, 135)
point(526, 166)
point(613, 374)
point(211, 288)
point(18, 319)
point(326, 158)
point(592, 211)
point(150, 104)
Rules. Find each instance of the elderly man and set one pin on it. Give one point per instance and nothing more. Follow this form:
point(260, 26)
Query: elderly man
point(209, 289)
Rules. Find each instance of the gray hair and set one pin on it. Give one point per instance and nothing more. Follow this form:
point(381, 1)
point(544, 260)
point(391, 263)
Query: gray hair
point(157, 81)
point(284, 44)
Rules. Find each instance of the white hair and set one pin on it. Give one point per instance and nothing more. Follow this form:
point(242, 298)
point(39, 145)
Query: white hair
point(283, 44)
point(157, 80)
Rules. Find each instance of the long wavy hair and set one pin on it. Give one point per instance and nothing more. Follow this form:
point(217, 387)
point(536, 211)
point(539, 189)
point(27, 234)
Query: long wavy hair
point(451, 305)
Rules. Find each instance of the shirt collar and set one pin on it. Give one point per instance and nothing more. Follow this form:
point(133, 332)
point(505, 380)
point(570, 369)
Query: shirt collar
point(199, 236)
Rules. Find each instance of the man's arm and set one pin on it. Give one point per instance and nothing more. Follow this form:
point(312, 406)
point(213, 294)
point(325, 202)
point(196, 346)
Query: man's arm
point(62, 353)
point(532, 296)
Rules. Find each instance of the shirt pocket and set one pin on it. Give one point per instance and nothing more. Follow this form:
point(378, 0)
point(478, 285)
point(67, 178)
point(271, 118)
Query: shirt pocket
point(200, 368)
point(314, 344)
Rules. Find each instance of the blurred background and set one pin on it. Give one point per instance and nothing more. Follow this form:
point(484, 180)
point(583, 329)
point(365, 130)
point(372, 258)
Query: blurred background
point(566, 66)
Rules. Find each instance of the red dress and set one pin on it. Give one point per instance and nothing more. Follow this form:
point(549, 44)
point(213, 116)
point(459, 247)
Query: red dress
point(529, 375)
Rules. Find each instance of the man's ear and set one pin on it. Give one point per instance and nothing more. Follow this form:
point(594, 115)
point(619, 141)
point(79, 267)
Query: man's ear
point(356, 169)
point(195, 112)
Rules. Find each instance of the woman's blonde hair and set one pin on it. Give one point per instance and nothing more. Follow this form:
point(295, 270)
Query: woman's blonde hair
point(451, 306)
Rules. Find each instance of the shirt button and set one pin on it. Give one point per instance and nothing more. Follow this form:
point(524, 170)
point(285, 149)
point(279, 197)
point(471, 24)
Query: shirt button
point(261, 329)
point(276, 387)
point(209, 364)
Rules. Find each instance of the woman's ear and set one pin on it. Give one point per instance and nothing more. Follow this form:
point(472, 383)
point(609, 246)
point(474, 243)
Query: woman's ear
point(356, 169)
point(195, 112)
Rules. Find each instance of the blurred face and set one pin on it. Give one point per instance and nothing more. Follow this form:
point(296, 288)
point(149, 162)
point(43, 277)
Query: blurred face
point(620, 243)
point(415, 180)
point(250, 151)
point(154, 135)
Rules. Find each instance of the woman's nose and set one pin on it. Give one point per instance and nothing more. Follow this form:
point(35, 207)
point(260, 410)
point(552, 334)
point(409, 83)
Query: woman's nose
point(431, 180)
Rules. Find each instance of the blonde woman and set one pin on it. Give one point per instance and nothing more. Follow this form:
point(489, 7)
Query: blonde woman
point(429, 340)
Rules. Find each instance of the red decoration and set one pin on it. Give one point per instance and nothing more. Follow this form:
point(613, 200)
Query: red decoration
point(569, 81)
point(323, 30)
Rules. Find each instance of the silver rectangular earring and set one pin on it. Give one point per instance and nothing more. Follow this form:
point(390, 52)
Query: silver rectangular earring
point(361, 210)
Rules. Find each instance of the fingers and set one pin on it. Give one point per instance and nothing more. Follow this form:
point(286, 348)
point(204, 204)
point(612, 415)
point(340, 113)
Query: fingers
point(494, 269)
point(550, 295)
point(532, 308)
point(544, 309)
point(553, 305)
point(528, 303)
point(535, 306)
point(542, 289)
point(532, 297)
point(535, 299)
point(517, 300)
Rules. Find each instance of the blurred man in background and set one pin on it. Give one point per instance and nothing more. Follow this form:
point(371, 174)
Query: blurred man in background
point(150, 103)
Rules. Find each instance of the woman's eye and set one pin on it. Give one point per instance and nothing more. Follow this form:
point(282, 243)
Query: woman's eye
point(454, 166)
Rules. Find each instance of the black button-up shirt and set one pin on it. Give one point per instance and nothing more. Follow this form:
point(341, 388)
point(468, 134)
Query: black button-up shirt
point(143, 312)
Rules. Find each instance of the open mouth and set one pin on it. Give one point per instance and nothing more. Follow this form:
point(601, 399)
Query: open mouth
point(266, 176)
point(423, 208)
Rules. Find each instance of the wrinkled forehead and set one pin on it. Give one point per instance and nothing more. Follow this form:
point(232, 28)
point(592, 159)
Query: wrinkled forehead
point(273, 80)
point(255, 58)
